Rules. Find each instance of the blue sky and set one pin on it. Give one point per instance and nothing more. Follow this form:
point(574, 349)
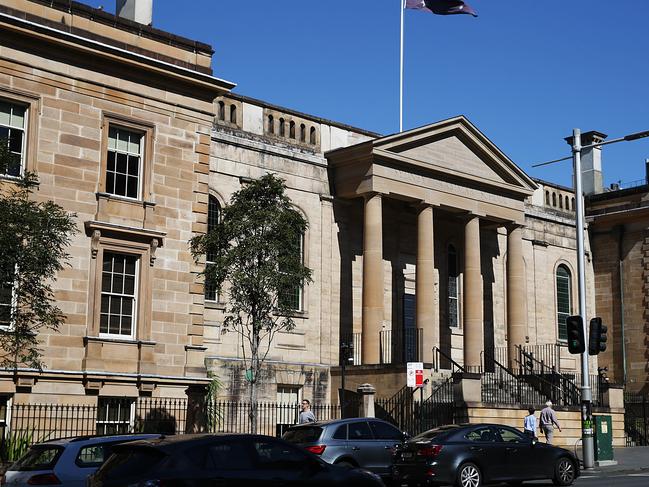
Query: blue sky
point(525, 71)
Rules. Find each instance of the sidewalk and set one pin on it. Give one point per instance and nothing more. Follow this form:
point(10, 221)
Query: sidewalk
point(628, 459)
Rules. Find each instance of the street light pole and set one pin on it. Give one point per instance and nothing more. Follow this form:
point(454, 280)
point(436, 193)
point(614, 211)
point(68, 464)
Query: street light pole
point(586, 396)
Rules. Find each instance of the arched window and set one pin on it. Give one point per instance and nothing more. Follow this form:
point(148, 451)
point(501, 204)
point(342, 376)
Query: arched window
point(312, 140)
point(302, 132)
point(213, 218)
point(453, 292)
point(233, 114)
point(282, 128)
point(564, 299)
point(547, 198)
point(221, 112)
point(560, 201)
point(554, 199)
point(293, 298)
point(573, 205)
point(291, 130)
point(271, 124)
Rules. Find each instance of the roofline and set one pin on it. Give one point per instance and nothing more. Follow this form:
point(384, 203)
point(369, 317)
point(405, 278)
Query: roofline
point(620, 193)
point(71, 6)
point(117, 52)
point(554, 185)
point(297, 113)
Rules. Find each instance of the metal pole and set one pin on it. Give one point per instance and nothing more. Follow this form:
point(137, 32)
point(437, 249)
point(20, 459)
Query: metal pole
point(342, 380)
point(586, 397)
point(402, 3)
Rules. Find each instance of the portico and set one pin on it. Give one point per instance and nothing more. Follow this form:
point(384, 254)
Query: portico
point(447, 171)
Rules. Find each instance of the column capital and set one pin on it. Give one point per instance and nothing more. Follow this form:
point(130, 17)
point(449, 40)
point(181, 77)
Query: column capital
point(511, 226)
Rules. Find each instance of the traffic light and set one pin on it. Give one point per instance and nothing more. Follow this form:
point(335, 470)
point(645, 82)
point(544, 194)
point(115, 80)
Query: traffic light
point(596, 336)
point(575, 331)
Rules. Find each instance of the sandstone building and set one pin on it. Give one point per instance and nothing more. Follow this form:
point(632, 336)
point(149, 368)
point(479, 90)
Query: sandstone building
point(422, 243)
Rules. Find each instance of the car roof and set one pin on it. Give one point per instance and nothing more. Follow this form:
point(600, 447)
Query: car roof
point(195, 438)
point(331, 422)
point(98, 439)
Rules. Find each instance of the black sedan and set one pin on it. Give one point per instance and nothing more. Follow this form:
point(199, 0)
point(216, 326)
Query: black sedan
point(477, 454)
point(222, 460)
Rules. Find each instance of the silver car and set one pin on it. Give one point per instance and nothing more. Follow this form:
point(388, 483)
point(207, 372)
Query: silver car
point(357, 442)
point(66, 462)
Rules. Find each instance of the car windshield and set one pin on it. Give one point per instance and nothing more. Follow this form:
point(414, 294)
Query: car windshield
point(41, 457)
point(303, 434)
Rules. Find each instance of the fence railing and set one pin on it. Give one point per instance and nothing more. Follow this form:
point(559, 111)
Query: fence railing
point(636, 419)
point(32, 423)
point(401, 345)
point(352, 344)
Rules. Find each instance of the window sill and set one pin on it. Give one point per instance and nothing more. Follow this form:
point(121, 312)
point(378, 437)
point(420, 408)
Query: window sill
point(214, 305)
point(456, 330)
point(126, 341)
point(125, 199)
point(303, 315)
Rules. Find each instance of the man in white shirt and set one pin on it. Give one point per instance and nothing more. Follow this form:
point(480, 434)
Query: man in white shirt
point(529, 423)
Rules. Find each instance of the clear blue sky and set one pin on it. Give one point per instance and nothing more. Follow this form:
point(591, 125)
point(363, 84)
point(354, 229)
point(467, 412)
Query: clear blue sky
point(525, 71)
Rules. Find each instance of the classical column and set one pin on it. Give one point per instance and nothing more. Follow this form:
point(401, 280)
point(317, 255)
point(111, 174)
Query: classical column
point(516, 297)
point(473, 329)
point(372, 279)
point(425, 284)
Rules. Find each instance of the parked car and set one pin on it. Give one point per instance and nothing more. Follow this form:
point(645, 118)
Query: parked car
point(66, 462)
point(477, 454)
point(222, 460)
point(355, 442)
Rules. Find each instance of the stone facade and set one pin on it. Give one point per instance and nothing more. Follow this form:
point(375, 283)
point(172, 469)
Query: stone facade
point(437, 214)
point(79, 94)
point(618, 222)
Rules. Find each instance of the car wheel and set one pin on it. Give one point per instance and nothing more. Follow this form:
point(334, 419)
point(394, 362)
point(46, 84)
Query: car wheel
point(564, 472)
point(468, 475)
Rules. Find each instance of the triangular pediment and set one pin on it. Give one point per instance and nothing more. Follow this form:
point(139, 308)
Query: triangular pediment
point(455, 147)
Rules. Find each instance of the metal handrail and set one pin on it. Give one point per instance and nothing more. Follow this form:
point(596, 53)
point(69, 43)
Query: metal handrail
point(437, 352)
point(550, 370)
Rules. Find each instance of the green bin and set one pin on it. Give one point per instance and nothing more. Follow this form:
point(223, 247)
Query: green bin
point(603, 437)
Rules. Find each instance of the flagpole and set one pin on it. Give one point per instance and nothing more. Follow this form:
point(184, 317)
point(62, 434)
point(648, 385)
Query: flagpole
point(402, 2)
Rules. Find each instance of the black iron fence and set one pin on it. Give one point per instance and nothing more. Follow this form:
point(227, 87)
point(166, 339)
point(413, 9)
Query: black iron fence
point(411, 413)
point(401, 345)
point(636, 419)
point(22, 425)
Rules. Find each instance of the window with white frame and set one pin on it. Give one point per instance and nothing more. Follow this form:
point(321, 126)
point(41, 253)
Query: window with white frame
point(453, 292)
point(213, 216)
point(13, 123)
point(124, 162)
point(564, 300)
point(7, 290)
point(293, 297)
point(115, 415)
point(119, 283)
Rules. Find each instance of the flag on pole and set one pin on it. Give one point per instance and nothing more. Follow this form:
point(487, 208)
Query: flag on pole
point(441, 7)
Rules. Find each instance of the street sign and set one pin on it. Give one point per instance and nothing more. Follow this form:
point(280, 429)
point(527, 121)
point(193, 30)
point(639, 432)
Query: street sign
point(415, 374)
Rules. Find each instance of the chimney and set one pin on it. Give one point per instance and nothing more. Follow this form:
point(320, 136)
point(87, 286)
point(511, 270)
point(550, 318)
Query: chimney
point(140, 11)
point(591, 162)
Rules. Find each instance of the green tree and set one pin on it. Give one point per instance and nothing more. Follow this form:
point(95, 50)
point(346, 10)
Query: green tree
point(33, 240)
point(256, 248)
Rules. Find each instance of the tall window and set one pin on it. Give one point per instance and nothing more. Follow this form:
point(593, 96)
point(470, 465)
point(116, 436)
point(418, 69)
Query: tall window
point(233, 114)
point(213, 216)
point(118, 295)
point(221, 112)
point(115, 415)
point(13, 120)
point(271, 124)
point(312, 136)
point(564, 300)
point(453, 288)
point(124, 162)
point(293, 297)
point(6, 298)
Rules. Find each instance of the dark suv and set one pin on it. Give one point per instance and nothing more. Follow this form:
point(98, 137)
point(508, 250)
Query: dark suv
point(359, 442)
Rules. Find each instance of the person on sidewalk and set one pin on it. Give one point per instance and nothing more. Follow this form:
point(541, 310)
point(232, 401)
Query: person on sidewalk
point(306, 416)
point(548, 421)
point(529, 423)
